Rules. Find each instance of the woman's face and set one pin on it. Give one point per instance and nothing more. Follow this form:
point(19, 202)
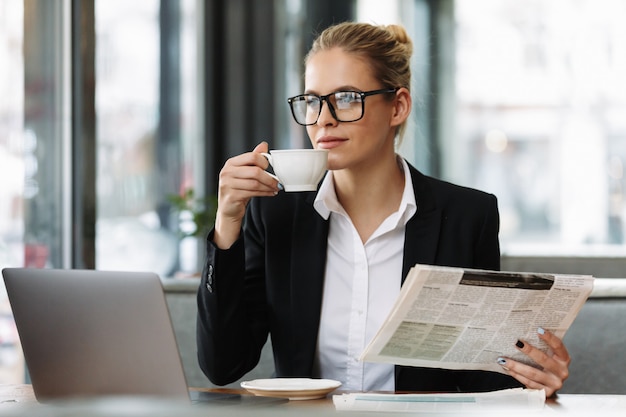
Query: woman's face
point(350, 144)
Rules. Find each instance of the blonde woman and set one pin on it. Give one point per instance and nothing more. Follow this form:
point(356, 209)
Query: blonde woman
point(319, 271)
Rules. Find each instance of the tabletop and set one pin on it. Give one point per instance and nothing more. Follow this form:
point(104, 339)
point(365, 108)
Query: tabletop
point(19, 400)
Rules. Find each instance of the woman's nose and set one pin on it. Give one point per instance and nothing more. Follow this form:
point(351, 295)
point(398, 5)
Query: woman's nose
point(326, 117)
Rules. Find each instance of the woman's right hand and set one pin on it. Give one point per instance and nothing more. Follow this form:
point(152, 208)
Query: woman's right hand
point(241, 178)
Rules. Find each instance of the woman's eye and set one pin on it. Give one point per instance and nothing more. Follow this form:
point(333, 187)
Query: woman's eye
point(346, 98)
point(312, 101)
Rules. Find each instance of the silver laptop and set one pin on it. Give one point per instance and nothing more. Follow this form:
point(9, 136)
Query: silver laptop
point(95, 333)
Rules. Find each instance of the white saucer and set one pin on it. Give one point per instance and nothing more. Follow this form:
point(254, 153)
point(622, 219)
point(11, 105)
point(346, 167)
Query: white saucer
point(292, 388)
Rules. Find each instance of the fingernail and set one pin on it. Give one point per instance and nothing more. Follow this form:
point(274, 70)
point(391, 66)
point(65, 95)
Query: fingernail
point(519, 344)
point(541, 330)
point(280, 187)
point(502, 361)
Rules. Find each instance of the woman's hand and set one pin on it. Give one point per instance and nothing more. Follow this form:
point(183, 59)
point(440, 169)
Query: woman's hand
point(241, 178)
point(555, 365)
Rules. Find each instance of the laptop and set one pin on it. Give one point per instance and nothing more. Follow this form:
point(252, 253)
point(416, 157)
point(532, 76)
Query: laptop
point(87, 333)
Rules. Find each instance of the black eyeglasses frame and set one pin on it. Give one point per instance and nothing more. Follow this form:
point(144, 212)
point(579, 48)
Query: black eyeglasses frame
point(363, 94)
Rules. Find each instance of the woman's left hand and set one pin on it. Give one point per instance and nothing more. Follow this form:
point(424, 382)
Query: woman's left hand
point(555, 365)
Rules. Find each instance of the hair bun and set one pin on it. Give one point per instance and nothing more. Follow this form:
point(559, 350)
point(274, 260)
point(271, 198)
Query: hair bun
point(400, 34)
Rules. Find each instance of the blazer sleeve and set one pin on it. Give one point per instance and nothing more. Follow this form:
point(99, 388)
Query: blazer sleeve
point(232, 324)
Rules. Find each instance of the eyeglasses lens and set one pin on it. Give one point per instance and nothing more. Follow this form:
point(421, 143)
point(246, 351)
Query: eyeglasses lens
point(346, 105)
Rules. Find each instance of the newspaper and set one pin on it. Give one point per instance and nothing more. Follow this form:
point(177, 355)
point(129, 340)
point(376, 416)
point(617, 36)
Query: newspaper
point(505, 402)
point(456, 318)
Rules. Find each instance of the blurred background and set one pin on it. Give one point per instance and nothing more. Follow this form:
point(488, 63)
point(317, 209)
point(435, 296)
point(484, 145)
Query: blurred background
point(108, 108)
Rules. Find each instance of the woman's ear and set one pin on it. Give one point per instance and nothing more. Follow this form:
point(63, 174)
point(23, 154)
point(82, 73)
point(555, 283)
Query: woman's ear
point(402, 106)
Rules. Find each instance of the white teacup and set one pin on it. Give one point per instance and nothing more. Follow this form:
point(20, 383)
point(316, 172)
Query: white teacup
point(299, 169)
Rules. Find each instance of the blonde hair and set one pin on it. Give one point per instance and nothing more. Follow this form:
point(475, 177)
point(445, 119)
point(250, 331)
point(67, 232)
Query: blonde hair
point(387, 48)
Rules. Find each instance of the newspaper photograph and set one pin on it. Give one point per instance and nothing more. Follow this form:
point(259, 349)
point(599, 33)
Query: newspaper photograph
point(457, 318)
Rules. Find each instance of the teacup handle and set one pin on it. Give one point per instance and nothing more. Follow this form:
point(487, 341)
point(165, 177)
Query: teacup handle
point(269, 159)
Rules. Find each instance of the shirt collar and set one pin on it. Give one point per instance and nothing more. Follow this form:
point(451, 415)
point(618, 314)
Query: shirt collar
point(326, 198)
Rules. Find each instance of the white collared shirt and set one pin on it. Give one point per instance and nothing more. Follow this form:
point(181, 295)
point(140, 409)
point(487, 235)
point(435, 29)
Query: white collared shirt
point(362, 281)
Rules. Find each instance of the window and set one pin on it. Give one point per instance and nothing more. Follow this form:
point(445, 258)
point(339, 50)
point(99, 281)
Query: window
point(523, 99)
point(148, 141)
point(540, 100)
point(13, 158)
point(34, 140)
point(147, 136)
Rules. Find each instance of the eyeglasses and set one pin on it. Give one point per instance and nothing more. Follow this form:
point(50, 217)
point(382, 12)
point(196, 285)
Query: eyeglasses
point(345, 106)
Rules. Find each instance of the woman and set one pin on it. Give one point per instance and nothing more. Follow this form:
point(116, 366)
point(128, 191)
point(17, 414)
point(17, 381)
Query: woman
point(319, 271)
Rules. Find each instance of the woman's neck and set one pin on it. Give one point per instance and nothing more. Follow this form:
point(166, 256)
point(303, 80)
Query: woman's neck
point(370, 194)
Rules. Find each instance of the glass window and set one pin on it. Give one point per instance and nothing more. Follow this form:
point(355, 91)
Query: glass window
point(145, 56)
point(539, 120)
point(11, 133)
point(147, 138)
point(12, 174)
point(34, 166)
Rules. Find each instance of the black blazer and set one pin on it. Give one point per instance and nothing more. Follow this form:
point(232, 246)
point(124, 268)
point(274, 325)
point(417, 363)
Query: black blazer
point(271, 280)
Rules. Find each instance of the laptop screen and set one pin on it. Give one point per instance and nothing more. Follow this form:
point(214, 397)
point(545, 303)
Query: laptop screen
point(95, 333)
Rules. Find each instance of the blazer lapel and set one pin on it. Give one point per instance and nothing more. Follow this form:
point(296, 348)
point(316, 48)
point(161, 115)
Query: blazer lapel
point(420, 239)
point(422, 231)
point(308, 263)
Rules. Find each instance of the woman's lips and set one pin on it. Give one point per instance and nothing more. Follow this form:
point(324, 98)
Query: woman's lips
point(329, 142)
